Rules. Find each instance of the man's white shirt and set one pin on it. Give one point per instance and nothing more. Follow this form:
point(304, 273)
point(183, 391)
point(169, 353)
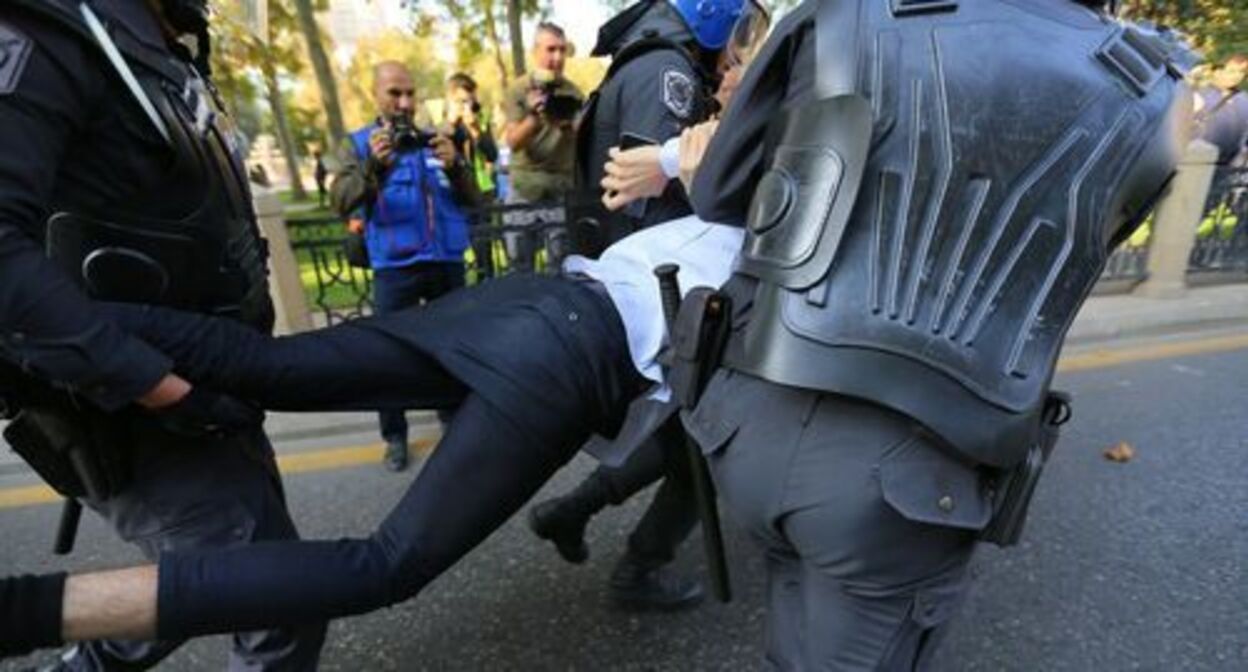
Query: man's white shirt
point(706, 254)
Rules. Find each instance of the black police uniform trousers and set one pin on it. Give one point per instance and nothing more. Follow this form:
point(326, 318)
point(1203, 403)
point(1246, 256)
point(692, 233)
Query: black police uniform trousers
point(866, 558)
point(196, 493)
point(549, 334)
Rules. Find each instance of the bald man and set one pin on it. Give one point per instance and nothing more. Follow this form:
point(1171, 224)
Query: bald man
point(412, 189)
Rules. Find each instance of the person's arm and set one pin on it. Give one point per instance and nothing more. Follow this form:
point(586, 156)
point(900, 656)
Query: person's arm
point(644, 172)
point(356, 366)
point(782, 74)
point(48, 327)
point(464, 189)
point(524, 119)
point(359, 179)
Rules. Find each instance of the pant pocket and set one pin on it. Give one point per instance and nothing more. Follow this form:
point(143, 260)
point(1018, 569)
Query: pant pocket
point(926, 485)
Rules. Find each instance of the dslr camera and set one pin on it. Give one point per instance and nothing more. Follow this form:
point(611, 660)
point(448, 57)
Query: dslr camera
point(405, 136)
point(558, 106)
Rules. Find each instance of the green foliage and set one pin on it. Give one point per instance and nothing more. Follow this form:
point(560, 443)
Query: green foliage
point(1218, 28)
point(238, 55)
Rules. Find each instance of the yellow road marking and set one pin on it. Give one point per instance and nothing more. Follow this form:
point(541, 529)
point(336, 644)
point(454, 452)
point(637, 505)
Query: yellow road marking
point(12, 498)
point(1100, 359)
point(340, 458)
point(291, 463)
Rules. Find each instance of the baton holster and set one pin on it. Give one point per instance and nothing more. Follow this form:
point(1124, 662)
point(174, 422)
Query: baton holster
point(72, 451)
point(698, 329)
point(698, 339)
point(77, 452)
point(1016, 487)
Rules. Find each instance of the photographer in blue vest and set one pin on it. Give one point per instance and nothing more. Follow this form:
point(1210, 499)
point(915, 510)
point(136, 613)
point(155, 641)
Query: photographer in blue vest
point(414, 188)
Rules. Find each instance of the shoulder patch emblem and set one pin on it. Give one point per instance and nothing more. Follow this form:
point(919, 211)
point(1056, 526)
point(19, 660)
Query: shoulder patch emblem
point(15, 50)
point(678, 93)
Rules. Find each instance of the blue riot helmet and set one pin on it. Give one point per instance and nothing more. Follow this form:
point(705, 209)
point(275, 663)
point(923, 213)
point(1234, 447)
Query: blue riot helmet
point(712, 21)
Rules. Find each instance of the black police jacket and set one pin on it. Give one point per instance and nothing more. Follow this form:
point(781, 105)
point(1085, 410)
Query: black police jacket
point(77, 142)
point(653, 95)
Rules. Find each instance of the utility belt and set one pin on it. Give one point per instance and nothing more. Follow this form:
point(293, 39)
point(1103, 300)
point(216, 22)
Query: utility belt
point(79, 452)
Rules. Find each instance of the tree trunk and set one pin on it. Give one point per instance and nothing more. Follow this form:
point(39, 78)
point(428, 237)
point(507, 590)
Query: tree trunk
point(284, 137)
point(517, 37)
point(491, 32)
point(324, 73)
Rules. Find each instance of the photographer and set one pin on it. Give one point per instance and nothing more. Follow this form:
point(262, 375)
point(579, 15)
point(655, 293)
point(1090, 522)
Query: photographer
point(541, 110)
point(413, 187)
point(474, 138)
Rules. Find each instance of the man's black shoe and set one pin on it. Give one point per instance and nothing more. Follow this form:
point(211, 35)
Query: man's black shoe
point(396, 455)
point(557, 522)
point(636, 588)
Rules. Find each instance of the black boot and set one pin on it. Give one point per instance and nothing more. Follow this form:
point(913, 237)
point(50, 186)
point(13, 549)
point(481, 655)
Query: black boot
point(396, 455)
point(562, 520)
point(636, 585)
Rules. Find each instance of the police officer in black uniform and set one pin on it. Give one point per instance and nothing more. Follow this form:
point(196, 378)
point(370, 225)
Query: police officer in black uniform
point(663, 71)
point(930, 190)
point(119, 180)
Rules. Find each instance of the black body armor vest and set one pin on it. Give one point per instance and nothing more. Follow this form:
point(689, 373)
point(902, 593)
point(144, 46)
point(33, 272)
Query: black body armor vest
point(931, 223)
point(190, 239)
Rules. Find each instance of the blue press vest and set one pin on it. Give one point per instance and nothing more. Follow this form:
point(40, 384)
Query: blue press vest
point(414, 218)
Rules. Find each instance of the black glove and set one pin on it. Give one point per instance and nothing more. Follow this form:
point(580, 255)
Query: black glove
point(202, 413)
point(30, 613)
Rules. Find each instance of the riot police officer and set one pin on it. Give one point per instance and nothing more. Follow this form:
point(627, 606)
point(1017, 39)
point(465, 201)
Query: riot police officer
point(664, 67)
point(119, 180)
point(921, 230)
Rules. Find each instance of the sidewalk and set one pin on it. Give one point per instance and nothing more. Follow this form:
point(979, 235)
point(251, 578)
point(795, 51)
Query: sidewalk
point(1105, 318)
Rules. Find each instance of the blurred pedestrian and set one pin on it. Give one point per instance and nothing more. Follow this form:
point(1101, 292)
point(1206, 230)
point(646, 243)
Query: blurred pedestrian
point(321, 173)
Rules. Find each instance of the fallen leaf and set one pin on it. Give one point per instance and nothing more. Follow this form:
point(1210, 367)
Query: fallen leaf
point(1123, 452)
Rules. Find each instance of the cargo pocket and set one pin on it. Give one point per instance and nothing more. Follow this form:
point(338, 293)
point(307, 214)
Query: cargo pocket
point(926, 485)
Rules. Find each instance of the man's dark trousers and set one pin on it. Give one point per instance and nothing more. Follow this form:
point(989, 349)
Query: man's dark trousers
point(672, 513)
point(397, 288)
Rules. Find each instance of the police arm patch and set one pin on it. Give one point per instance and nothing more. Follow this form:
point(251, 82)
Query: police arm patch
point(678, 93)
point(15, 51)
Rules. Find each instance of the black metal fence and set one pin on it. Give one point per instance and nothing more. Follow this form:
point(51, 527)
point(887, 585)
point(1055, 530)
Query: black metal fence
point(338, 291)
point(1221, 250)
point(504, 239)
point(1220, 254)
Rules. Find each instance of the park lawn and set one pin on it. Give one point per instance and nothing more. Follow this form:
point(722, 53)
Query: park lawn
point(343, 295)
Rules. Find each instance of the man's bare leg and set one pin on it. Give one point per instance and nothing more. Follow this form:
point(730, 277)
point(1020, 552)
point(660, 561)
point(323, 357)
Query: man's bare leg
point(118, 604)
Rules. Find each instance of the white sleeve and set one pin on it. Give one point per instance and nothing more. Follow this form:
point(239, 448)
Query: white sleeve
point(669, 158)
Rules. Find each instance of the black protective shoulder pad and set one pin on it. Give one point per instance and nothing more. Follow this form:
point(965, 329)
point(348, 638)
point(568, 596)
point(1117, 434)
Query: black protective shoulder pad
point(61, 12)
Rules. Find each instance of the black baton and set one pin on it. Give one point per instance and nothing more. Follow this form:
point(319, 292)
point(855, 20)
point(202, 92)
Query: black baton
point(67, 530)
point(71, 512)
point(703, 487)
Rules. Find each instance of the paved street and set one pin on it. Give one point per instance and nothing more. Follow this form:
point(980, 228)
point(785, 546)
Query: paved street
point(1142, 565)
